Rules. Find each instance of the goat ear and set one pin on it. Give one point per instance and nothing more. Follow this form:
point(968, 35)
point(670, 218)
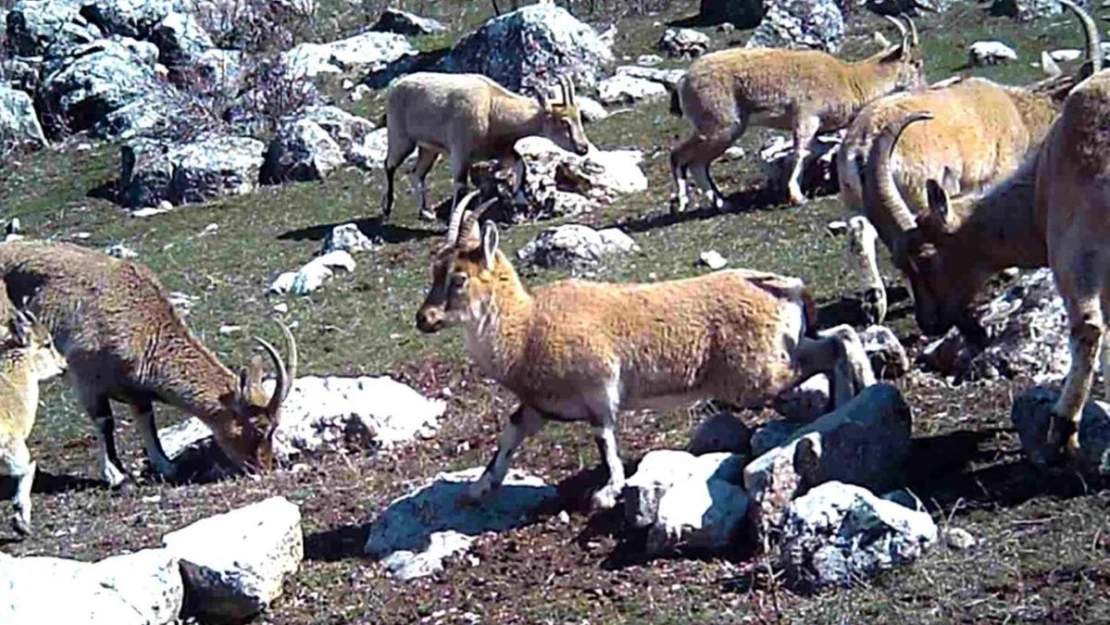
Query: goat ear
point(21, 329)
point(490, 240)
point(938, 218)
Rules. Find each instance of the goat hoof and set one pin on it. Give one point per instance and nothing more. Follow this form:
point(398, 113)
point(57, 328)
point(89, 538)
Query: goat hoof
point(21, 526)
point(426, 215)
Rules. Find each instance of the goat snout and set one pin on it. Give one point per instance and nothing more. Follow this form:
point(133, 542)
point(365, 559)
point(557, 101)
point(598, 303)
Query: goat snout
point(430, 319)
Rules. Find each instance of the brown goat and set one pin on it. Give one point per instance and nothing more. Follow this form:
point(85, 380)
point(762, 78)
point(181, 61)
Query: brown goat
point(1053, 211)
point(123, 341)
point(469, 117)
point(804, 91)
point(582, 351)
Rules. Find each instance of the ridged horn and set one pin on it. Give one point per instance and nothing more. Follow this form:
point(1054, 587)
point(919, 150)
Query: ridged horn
point(456, 217)
point(890, 199)
point(472, 219)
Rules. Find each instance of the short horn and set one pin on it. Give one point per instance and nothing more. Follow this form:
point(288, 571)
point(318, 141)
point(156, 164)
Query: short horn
point(456, 217)
point(473, 216)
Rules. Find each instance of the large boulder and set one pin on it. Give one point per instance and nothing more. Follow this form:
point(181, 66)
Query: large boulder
point(865, 442)
point(538, 42)
point(804, 24)
point(212, 167)
point(129, 18)
point(234, 564)
point(1027, 329)
point(33, 25)
point(626, 89)
point(108, 87)
point(301, 151)
point(143, 588)
point(686, 501)
point(363, 53)
point(1031, 415)
point(182, 41)
point(575, 246)
point(322, 415)
point(414, 535)
point(19, 126)
point(838, 534)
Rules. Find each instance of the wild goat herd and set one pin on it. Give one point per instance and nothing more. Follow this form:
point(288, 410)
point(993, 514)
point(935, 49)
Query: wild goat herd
point(958, 179)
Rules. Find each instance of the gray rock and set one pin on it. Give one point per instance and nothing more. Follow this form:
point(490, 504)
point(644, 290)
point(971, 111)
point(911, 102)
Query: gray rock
point(886, 353)
point(349, 238)
point(363, 53)
point(33, 25)
point(818, 172)
point(773, 434)
point(866, 442)
point(1026, 10)
point(215, 167)
point(19, 126)
point(350, 132)
point(625, 89)
point(301, 151)
point(1031, 416)
point(181, 41)
point(959, 539)
point(990, 53)
point(807, 401)
point(738, 13)
point(419, 530)
point(110, 88)
point(908, 7)
point(686, 500)
point(142, 588)
point(146, 173)
point(575, 246)
point(668, 77)
point(22, 73)
point(722, 431)
point(531, 47)
point(129, 18)
point(701, 515)
point(310, 277)
point(649, 60)
point(838, 534)
point(233, 564)
point(405, 23)
point(712, 259)
point(590, 109)
point(806, 24)
point(1027, 329)
point(683, 43)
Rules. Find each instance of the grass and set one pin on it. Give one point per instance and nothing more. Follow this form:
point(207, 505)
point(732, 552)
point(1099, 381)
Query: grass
point(1044, 541)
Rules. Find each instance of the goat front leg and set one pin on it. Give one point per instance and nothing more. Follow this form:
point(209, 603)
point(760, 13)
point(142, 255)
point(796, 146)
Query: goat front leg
point(1085, 315)
point(144, 420)
point(16, 462)
point(837, 352)
point(805, 129)
point(524, 422)
point(425, 159)
point(603, 424)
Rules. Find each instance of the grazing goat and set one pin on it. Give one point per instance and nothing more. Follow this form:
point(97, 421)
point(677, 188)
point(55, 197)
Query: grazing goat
point(1053, 211)
point(804, 91)
point(123, 341)
point(469, 117)
point(582, 351)
point(27, 358)
point(981, 132)
point(861, 250)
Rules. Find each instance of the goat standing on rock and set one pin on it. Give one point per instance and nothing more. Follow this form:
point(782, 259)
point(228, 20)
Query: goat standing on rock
point(29, 357)
point(469, 117)
point(123, 341)
point(804, 91)
point(582, 351)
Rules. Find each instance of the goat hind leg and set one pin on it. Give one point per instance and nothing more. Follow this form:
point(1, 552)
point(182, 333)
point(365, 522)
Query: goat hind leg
point(144, 420)
point(1086, 333)
point(523, 423)
point(604, 426)
point(425, 159)
point(805, 129)
point(111, 469)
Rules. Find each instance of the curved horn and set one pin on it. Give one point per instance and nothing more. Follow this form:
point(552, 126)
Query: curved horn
point(913, 31)
point(890, 199)
point(473, 217)
point(897, 24)
point(563, 95)
point(568, 90)
point(456, 217)
point(1090, 33)
point(285, 376)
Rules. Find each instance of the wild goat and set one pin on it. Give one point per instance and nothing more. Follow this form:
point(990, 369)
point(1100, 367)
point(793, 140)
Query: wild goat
point(27, 358)
point(469, 117)
point(861, 250)
point(1052, 211)
point(122, 339)
point(804, 91)
point(981, 132)
point(582, 351)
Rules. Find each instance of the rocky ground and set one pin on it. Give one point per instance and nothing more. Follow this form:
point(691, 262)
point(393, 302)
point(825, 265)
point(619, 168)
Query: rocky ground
point(1041, 541)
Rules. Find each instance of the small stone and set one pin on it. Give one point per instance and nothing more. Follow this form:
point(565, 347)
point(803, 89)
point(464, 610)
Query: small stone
point(347, 237)
point(959, 539)
point(227, 330)
point(712, 259)
point(990, 53)
point(120, 250)
point(723, 431)
point(281, 307)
